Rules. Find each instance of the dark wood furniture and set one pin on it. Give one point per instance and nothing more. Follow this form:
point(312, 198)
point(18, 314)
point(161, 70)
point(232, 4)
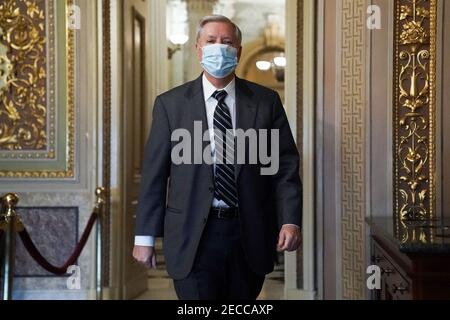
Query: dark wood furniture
point(414, 258)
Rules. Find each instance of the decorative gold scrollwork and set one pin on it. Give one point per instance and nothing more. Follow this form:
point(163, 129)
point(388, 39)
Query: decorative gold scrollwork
point(415, 109)
point(37, 101)
point(23, 113)
point(5, 65)
point(414, 232)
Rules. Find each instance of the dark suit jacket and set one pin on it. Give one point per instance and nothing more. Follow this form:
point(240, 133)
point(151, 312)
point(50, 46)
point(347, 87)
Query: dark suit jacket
point(175, 200)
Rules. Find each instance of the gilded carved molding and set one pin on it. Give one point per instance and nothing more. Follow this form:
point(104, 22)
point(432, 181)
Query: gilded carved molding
point(5, 65)
point(414, 109)
point(23, 105)
point(36, 90)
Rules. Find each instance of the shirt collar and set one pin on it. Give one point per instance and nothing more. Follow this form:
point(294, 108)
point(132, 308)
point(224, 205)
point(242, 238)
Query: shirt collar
point(209, 89)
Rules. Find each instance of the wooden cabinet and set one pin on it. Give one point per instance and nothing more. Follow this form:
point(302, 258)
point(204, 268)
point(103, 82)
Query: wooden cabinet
point(410, 271)
point(395, 284)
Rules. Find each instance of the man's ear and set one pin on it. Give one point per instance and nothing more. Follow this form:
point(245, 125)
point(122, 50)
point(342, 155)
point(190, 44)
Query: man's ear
point(239, 53)
point(198, 50)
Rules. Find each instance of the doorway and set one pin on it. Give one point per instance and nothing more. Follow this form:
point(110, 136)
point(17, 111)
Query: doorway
point(169, 66)
point(263, 44)
point(136, 118)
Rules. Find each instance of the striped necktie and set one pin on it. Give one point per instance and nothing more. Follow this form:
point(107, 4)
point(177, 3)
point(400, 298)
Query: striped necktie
point(225, 183)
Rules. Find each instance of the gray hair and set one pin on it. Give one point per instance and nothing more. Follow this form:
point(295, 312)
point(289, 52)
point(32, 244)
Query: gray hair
point(219, 18)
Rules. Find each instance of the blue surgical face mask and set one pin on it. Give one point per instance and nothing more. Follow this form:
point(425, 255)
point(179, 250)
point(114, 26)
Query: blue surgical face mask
point(219, 60)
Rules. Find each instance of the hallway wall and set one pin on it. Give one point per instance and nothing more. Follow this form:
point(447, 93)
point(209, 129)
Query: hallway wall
point(343, 183)
point(56, 190)
point(358, 116)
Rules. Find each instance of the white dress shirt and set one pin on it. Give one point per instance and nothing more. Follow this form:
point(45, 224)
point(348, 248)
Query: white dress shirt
point(210, 103)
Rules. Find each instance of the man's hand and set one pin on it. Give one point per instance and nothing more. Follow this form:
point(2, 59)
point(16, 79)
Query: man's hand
point(145, 255)
point(289, 239)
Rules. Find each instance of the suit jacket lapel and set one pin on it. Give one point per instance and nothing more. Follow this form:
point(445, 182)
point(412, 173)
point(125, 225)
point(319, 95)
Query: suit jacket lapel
point(246, 109)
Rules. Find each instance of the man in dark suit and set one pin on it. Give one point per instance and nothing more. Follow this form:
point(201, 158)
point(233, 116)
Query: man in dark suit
point(221, 219)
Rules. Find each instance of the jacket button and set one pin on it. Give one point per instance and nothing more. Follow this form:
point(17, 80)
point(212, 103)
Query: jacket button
point(211, 189)
point(205, 219)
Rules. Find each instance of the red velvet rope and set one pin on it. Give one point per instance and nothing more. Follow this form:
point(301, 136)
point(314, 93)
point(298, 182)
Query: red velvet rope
point(37, 256)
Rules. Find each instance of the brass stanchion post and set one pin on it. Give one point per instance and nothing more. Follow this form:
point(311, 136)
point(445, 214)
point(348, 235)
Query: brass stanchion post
point(100, 205)
point(8, 221)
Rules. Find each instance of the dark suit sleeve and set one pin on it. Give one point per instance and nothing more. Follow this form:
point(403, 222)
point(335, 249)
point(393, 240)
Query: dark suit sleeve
point(287, 184)
point(155, 174)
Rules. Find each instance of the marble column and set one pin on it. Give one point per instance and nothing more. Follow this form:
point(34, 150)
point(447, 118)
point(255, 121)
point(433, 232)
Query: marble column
point(196, 10)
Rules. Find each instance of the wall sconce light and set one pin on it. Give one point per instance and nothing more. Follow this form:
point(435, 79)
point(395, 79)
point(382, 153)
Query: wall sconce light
point(177, 40)
point(263, 65)
point(280, 61)
point(277, 65)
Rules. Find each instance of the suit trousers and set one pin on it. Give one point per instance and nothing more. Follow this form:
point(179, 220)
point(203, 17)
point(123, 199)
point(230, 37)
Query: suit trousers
point(220, 270)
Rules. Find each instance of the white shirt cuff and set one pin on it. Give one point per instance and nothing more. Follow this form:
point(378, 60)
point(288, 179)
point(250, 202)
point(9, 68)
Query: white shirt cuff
point(290, 224)
point(145, 241)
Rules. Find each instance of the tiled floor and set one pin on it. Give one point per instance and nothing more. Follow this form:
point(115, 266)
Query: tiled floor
point(160, 286)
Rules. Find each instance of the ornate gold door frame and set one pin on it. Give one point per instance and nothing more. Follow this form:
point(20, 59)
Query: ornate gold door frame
point(415, 109)
point(37, 117)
